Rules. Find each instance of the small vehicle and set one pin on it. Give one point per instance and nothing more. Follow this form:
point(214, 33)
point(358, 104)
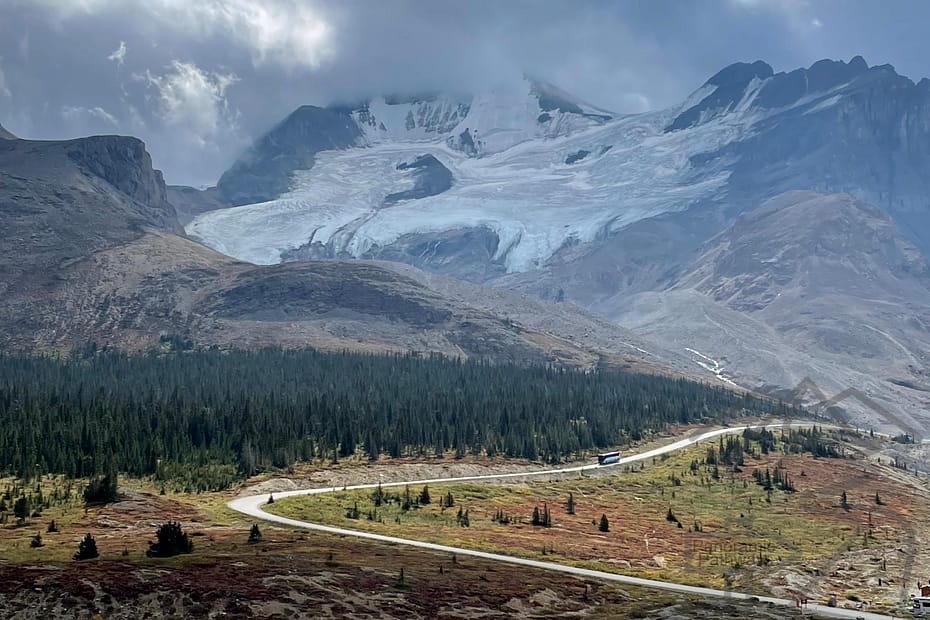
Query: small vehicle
point(608, 458)
point(920, 605)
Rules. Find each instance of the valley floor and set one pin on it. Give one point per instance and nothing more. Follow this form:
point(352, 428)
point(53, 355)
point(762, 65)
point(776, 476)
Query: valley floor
point(801, 540)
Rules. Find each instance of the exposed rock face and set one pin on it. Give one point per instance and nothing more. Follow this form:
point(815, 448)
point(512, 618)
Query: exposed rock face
point(429, 114)
point(430, 178)
point(126, 165)
point(806, 286)
point(726, 89)
point(6, 135)
point(827, 244)
point(554, 99)
point(834, 127)
point(264, 171)
point(757, 87)
point(63, 200)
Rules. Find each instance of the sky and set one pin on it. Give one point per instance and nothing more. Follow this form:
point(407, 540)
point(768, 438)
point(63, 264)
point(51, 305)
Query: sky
point(198, 80)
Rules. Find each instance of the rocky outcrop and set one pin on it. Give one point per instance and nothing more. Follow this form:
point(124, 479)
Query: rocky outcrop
point(124, 163)
point(553, 99)
point(264, 171)
point(724, 91)
point(430, 178)
point(757, 86)
point(60, 201)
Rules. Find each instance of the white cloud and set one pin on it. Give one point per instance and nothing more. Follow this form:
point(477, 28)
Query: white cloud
point(193, 99)
point(79, 113)
point(290, 33)
point(119, 55)
point(287, 32)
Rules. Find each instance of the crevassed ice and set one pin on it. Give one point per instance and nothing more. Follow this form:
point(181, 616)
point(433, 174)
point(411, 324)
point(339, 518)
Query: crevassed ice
point(525, 193)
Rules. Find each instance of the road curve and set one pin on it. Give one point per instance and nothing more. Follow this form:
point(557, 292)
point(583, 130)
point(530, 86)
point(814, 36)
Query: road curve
point(252, 505)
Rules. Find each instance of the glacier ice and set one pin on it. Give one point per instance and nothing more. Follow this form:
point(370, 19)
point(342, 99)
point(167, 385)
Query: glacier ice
point(520, 187)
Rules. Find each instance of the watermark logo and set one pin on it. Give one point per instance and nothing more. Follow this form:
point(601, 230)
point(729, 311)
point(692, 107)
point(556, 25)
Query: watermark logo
point(787, 532)
point(825, 404)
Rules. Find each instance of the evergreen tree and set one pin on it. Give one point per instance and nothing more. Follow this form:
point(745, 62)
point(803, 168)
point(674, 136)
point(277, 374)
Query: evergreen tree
point(353, 512)
point(202, 420)
point(87, 549)
point(407, 502)
point(424, 495)
point(255, 534)
point(36, 541)
point(52, 527)
point(570, 506)
point(103, 489)
point(22, 508)
point(171, 540)
point(377, 497)
point(604, 525)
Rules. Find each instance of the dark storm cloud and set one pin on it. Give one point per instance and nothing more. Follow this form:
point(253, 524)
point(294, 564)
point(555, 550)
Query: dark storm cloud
point(197, 80)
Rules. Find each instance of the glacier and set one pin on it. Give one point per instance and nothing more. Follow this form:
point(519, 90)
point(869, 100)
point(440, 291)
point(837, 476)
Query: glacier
point(524, 192)
point(544, 171)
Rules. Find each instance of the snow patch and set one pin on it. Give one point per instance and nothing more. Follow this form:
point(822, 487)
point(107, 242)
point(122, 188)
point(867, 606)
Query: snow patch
point(711, 365)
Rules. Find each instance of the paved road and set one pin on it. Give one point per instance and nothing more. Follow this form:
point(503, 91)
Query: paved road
point(253, 504)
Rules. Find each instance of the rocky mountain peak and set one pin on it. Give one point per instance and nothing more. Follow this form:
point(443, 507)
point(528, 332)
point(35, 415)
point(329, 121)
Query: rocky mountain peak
point(758, 88)
point(739, 74)
point(551, 98)
point(823, 76)
point(6, 135)
point(264, 171)
point(721, 93)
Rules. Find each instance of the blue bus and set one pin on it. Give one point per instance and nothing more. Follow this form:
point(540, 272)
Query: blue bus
point(608, 458)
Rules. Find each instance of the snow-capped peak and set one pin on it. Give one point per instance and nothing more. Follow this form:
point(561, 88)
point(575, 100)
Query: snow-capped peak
point(482, 124)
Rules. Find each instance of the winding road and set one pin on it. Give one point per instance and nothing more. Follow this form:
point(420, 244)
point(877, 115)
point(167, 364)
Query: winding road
point(252, 505)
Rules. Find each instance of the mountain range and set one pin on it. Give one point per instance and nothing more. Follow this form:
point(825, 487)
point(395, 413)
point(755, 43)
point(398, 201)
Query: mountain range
point(93, 251)
point(769, 231)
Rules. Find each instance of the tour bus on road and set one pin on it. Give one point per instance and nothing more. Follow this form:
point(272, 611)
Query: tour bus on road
point(920, 605)
point(608, 458)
